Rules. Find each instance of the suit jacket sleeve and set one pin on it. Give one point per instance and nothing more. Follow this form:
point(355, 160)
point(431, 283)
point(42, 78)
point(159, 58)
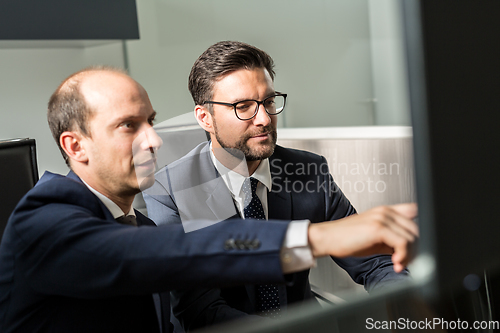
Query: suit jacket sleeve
point(65, 244)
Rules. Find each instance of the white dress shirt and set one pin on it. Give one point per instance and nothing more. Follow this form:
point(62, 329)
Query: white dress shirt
point(296, 253)
point(113, 208)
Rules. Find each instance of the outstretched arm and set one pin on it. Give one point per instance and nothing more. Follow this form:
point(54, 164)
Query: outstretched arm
point(381, 230)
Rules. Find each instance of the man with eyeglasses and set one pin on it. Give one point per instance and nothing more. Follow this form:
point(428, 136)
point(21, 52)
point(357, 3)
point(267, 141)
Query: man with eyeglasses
point(242, 173)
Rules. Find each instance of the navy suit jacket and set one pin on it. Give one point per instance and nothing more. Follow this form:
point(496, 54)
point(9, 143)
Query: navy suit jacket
point(67, 266)
point(303, 188)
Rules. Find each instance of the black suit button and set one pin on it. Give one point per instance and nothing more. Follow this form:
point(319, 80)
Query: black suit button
point(240, 244)
point(229, 244)
point(254, 244)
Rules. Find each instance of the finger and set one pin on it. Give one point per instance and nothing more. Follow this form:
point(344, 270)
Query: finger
point(403, 253)
point(401, 226)
point(408, 210)
point(401, 246)
point(404, 226)
point(398, 267)
point(400, 262)
point(400, 216)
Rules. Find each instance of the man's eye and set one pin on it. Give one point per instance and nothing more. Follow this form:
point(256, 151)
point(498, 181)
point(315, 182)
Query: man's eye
point(127, 125)
point(151, 121)
point(243, 106)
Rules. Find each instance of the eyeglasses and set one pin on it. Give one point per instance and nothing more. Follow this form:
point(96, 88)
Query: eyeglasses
point(247, 109)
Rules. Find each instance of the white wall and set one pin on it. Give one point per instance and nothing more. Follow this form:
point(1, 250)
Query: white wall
point(27, 79)
point(390, 86)
point(321, 49)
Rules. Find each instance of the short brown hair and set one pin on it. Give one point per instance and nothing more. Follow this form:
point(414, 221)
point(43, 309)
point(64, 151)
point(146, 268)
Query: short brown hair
point(68, 110)
point(221, 59)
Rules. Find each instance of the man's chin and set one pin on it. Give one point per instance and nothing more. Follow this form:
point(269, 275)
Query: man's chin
point(146, 182)
point(259, 154)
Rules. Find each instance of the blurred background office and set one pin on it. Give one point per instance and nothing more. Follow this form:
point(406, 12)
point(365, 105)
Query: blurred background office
point(340, 61)
point(342, 64)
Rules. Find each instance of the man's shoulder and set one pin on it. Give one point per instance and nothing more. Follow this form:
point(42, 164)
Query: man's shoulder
point(56, 200)
point(59, 185)
point(58, 189)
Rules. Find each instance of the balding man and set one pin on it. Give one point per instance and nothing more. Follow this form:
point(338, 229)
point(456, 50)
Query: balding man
point(75, 255)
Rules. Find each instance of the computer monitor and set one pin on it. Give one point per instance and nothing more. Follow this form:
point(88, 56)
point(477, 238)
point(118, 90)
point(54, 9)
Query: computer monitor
point(18, 174)
point(454, 75)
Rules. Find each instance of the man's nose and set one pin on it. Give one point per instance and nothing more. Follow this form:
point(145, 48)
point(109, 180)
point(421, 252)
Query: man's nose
point(261, 118)
point(151, 140)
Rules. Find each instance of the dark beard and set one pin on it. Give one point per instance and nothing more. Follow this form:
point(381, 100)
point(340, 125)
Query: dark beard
point(241, 145)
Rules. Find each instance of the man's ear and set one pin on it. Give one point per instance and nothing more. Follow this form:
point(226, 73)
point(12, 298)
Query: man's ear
point(71, 143)
point(204, 118)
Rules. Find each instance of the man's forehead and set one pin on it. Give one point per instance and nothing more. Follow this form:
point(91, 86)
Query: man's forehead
point(101, 88)
point(231, 82)
point(105, 80)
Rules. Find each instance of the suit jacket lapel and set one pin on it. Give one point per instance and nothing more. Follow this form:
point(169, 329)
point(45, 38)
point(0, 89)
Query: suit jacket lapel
point(219, 200)
point(279, 199)
point(143, 220)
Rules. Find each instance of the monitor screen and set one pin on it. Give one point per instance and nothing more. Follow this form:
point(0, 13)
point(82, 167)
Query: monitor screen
point(454, 75)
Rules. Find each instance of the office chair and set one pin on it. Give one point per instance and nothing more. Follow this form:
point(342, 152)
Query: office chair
point(18, 174)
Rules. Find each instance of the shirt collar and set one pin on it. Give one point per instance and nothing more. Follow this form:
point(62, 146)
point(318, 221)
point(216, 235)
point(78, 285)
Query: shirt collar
point(113, 208)
point(235, 180)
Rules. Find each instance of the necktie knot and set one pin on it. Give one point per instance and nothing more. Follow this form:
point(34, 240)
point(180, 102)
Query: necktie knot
point(254, 182)
point(127, 219)
point(250, 187)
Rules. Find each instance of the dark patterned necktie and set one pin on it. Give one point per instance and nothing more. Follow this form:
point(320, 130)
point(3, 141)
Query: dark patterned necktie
point(268, 301)
point(127, 219)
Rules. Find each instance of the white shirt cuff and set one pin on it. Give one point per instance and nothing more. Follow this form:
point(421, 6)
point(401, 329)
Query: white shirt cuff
point(296, 253)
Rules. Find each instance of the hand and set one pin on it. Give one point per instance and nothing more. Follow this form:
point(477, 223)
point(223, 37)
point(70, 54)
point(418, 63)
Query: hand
point(381, 230)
